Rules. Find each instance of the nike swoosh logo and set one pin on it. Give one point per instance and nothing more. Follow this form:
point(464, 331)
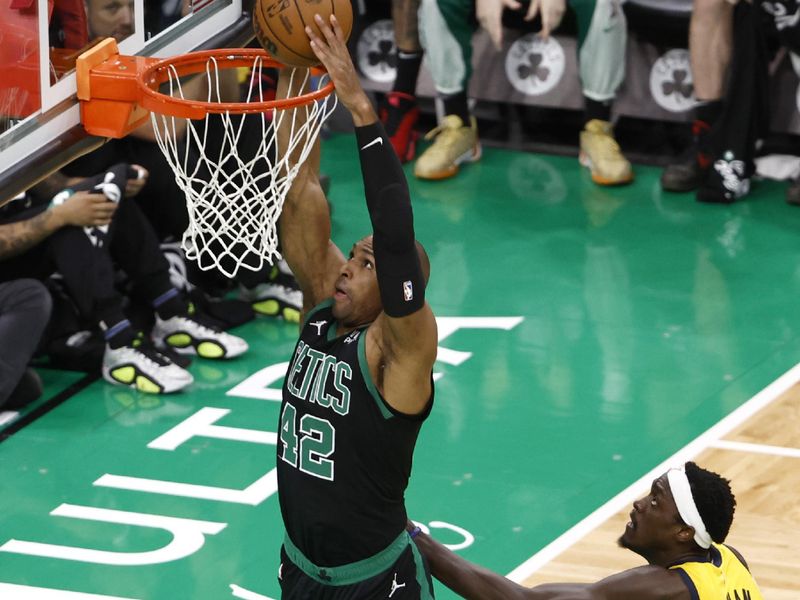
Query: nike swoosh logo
point(377, 140)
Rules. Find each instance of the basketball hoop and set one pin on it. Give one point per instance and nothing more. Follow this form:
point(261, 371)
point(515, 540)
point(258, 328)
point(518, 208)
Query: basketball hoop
point(234, 191)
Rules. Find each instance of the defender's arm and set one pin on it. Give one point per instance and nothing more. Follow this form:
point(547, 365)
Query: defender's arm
point(477, 583)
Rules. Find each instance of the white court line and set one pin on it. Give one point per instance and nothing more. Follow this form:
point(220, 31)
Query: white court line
point(757, 448)
point(240, 592)
point(7, 416)
point(629, 494)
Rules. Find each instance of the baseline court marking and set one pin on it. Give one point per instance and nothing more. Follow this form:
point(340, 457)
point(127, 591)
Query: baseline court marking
point(757, 448)
point(240, 592)
point(706, 440)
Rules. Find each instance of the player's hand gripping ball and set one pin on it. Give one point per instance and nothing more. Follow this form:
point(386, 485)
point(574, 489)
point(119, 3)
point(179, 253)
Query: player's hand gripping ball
point(280, 27)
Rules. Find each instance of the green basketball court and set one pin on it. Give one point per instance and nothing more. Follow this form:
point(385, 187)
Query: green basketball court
point(586, 335)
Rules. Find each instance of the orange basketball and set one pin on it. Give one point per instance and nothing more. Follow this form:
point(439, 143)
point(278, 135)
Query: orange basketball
point(280, 26)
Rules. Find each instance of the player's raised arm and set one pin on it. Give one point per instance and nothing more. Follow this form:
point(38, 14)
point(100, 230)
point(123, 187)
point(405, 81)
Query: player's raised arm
point(305, 225)
point(403, 340)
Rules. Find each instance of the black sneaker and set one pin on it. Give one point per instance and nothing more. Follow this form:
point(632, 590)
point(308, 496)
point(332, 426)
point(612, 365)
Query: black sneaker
point(727, 181)
point(689, 171)
point(27, 390)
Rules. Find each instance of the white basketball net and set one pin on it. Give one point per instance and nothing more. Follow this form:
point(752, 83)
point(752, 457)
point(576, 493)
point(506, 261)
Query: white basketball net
point(235, 187)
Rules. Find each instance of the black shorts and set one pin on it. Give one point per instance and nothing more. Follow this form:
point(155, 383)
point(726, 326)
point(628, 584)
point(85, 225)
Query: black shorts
point(407, 579)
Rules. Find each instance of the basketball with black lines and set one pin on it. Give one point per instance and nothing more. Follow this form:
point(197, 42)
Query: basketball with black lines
point(280, 26)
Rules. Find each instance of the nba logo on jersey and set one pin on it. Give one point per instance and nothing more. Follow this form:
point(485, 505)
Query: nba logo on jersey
point(408, 291)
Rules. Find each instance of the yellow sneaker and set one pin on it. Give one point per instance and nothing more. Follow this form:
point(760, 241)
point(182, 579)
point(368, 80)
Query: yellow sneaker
point(600, 152)
point(455, 143)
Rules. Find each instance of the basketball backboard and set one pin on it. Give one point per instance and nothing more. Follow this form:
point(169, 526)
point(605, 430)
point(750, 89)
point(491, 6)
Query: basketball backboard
point(40, 40)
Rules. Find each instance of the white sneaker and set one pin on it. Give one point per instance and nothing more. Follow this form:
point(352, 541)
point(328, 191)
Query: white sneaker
point(274, 300)
point(187, 336)
point(144, 369)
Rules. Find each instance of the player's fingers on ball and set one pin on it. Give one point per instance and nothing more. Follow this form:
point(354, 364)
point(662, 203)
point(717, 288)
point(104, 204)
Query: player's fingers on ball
point(312, 35)
point(337, 28)
point(325, 28)
point(316, 47)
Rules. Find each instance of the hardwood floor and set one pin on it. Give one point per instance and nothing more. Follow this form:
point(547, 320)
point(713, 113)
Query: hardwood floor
point(766, 527)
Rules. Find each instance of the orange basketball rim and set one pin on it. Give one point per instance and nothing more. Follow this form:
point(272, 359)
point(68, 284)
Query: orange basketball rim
point(118, 92)
point(234, 183)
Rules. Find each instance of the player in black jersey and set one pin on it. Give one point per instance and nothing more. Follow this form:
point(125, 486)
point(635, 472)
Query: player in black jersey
point(359, 384)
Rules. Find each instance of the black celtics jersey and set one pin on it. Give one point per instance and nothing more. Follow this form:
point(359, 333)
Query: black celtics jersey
point(344, 456)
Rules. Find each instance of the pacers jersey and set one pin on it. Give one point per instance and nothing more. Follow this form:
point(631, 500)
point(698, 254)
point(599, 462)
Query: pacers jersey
point(723, 577)
point(344, 455)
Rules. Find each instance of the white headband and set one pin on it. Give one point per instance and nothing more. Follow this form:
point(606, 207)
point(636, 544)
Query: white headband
point(682, 493)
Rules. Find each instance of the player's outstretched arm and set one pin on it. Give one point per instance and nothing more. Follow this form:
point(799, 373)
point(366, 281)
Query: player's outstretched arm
point(305, 224)
point(401, 346)
point(477, 583)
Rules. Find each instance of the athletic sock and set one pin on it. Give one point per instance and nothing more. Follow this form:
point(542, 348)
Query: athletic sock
point(597, 110)
point(456, 104)
point(170, 304)
point(708, 111)
point(120, 334)
point(408, 64)
point(402, 103)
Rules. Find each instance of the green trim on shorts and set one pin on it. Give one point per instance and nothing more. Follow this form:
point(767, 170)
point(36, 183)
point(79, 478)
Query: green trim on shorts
point(353, 572)
point(425, 591)
point(367, 376)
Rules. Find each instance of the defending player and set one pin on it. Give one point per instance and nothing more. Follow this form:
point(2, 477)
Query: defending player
point(678, 528)
point(359, 384)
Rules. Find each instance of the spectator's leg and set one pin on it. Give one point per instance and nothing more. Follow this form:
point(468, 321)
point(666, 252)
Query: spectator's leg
point(710, 51)
point(161, 200)
point(787, 28)
point(406, 33)
point(744, 117)
point(89, 278)
point(446, 28)
point(602, 37)
point(710, 47)
point(135, 247)
point(401, 113)
point(24, 312)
